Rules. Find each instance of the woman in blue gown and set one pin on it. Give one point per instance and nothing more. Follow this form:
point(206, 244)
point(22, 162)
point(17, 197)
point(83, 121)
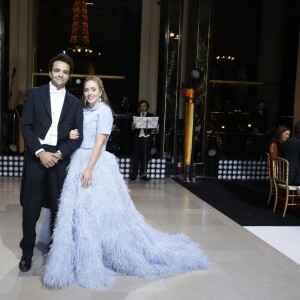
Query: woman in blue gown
point(98, 232)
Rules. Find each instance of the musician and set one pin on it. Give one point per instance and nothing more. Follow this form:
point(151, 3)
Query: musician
point(142, 143)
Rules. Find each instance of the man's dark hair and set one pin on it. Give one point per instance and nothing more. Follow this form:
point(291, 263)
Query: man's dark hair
point(297, 129)
point(144, 101)
point(62, 57)
point(260, 101)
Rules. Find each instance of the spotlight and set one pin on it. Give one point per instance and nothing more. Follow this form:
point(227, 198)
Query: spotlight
point(196, 74)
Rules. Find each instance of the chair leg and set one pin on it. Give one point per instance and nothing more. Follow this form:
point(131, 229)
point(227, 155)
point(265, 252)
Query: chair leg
point(286, 201)
point(271, 191)
point(276, 197)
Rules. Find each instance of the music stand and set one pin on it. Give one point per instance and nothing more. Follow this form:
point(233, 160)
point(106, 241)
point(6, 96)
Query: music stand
point(145, 123)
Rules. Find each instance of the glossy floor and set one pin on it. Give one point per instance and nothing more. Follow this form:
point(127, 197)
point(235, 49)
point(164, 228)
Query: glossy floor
point(243, 266)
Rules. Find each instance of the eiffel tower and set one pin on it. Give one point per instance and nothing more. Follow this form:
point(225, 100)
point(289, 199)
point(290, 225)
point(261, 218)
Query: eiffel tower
point(80, 39)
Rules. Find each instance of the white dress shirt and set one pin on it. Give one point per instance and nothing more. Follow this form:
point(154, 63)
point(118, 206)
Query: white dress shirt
point(142, 132)
point(57, 98)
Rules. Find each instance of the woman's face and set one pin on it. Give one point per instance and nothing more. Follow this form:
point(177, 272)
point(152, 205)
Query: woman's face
point(92, 93)
point(285, 135)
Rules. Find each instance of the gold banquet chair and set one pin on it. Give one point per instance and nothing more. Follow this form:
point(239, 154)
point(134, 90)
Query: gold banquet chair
point(271, 179)
point(281, 181)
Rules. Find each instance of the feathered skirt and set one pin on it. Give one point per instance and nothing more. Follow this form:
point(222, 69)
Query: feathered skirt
point(99, 233)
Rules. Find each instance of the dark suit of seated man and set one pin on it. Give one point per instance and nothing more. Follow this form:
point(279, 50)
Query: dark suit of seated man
point(290, 150)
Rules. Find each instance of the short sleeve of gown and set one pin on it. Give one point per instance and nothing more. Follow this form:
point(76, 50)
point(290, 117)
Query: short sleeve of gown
point(105, 120)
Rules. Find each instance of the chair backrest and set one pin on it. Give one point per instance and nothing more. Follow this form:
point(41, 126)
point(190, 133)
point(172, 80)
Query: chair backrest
point(269, 165)
point(280, 170)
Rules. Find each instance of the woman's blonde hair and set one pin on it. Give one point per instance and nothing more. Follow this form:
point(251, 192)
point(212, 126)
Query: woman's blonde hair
point(99, 82)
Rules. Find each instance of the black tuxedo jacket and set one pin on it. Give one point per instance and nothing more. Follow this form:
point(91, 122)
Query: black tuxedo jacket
point(36, 121)
point(290, 150)
point(259, 121)
point(147, 131)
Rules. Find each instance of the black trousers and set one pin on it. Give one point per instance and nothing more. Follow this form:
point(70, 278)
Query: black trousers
point(39, 186)
point(140, 155)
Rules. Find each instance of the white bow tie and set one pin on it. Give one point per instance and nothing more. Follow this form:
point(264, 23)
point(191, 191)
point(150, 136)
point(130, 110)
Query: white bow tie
point(55, 91)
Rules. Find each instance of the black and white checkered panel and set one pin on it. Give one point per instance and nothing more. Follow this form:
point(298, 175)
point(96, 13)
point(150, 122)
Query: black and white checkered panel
point(156, 168)
point(124, 165)
point(243, 170)
point(11, 165)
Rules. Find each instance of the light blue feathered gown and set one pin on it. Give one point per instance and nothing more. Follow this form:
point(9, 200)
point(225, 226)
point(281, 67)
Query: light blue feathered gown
point(99, 232)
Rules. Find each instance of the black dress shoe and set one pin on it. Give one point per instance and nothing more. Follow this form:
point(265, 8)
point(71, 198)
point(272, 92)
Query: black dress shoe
point(25, 263)
point(145, 178)
point(132, 178)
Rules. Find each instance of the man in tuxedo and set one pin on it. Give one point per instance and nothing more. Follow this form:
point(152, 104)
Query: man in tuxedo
point(142, 142)
point(259, 121)
point(49, 114)
point(290, 150)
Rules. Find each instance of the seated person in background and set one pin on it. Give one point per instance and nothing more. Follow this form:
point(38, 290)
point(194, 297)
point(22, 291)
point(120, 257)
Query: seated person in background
point(282, 133)
point(290, 150)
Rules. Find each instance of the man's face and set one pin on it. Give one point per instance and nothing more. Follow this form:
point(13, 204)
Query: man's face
point(260, 105)
point(60, 74)
point(143, 107)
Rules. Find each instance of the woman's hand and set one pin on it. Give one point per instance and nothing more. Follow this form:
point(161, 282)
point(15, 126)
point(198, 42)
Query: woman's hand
point(74, 134)
point(86, 178)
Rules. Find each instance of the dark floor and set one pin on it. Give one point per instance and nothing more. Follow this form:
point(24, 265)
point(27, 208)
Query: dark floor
point(245, 202)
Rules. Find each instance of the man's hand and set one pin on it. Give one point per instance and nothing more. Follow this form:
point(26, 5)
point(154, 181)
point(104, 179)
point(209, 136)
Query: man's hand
point(57, 155)
point(49, 159)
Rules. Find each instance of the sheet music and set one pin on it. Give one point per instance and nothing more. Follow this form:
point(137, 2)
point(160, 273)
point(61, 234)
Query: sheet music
point(145, 122)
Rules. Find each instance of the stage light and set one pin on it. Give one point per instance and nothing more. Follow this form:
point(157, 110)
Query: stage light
point(196, 74)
